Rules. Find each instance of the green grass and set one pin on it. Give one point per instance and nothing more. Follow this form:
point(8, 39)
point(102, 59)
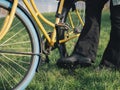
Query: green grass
point(50, 77)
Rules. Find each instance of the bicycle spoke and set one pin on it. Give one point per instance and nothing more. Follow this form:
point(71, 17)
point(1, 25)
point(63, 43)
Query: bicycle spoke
point(12, 68)
point(17, 43)
point(20, 61)
point(6, 80)
point(19, 53)
point(23, 62)
point(15, 25)
point(2, 81)
point(12, 36)
point(8, 73)
point(14, 62)
point(21, 49)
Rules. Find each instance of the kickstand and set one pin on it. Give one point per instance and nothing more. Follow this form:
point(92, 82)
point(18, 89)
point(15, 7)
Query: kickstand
point(47, 59)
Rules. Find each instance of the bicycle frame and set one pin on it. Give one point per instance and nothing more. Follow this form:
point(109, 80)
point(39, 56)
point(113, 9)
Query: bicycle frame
point(80, 19)
point(8, 20)
point(35, 14)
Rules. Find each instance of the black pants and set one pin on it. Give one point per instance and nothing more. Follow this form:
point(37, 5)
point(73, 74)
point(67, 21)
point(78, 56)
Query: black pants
point(88, 41)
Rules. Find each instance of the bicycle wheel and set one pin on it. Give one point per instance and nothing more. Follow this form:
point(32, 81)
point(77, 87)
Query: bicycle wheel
point(19, 50)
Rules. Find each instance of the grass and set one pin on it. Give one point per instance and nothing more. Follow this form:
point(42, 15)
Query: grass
point(50, 77)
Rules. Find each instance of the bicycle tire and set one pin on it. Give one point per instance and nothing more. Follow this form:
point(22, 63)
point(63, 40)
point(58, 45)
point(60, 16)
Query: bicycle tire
point(19, 50)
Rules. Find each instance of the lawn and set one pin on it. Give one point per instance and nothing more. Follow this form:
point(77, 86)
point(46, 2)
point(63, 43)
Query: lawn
point(50, 77)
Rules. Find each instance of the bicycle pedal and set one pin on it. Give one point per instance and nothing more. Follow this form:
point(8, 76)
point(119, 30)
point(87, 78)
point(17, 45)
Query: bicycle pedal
point(63, 26)
point(77, 31)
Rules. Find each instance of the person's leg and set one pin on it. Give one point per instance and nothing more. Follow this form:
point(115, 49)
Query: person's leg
point(111, 56)
point(88, 41)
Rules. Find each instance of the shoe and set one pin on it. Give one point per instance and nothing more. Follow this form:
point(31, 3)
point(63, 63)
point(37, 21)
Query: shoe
point(74, 60)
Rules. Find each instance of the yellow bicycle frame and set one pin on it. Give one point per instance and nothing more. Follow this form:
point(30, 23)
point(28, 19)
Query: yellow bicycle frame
point(78, 15)
point(8, 20)
point(35, 14)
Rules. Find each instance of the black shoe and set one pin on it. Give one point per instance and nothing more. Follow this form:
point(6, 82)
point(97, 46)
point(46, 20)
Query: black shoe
point(74, 60)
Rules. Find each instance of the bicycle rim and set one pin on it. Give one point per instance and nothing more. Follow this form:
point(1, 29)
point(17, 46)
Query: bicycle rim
point(19, 50)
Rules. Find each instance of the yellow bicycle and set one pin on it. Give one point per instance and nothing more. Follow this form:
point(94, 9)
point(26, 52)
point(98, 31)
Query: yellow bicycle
point(21, 41)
